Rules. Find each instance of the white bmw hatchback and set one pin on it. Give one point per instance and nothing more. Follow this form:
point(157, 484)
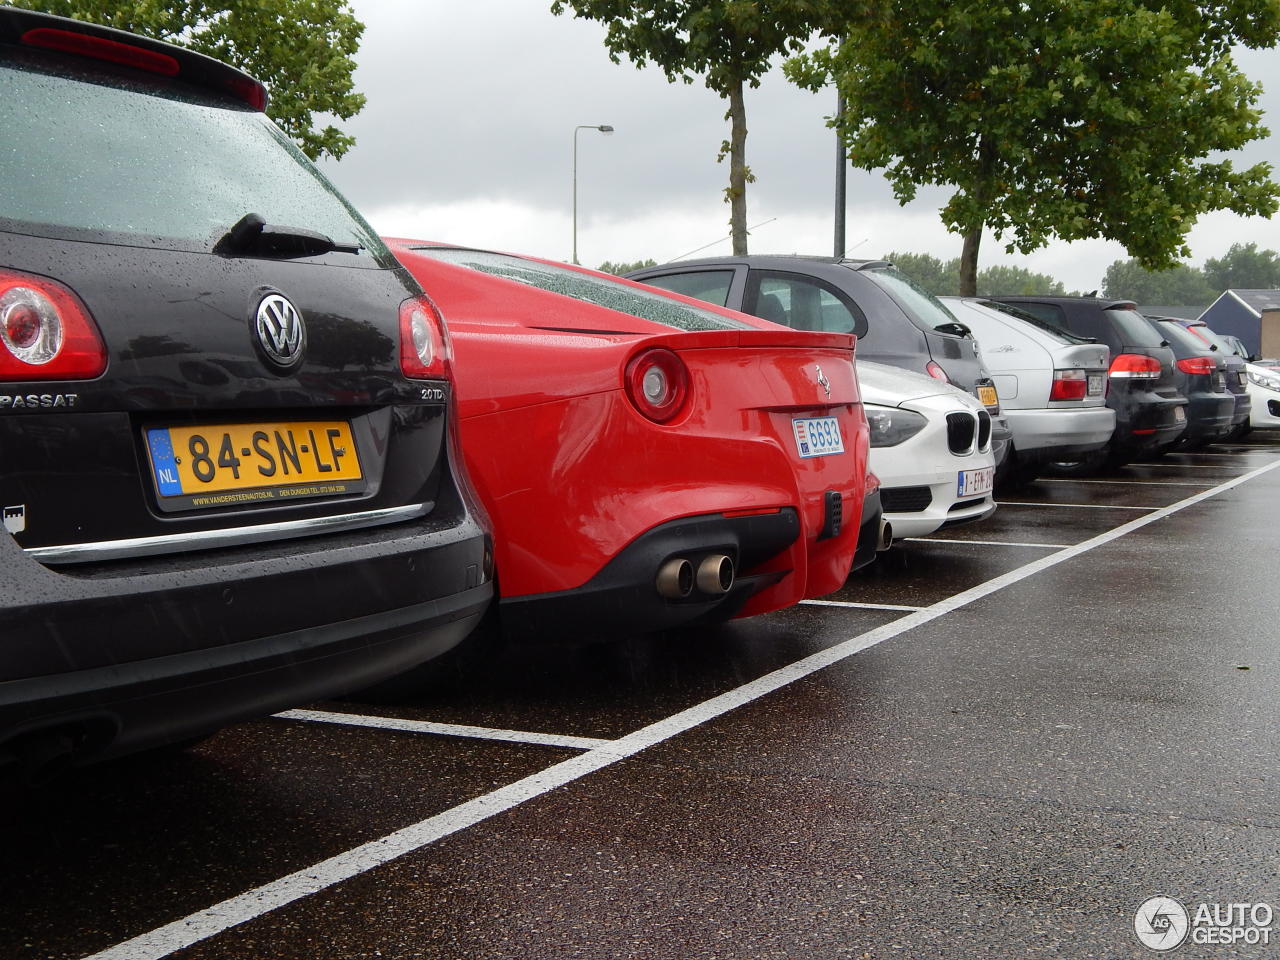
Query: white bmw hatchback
point(931, 449)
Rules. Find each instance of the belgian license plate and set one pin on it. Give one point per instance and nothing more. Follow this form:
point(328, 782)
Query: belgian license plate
point(239, 464)
point(817, 436)
point(988, 397)
point(1095, 384)
point(973, 483)
point(1179, 415)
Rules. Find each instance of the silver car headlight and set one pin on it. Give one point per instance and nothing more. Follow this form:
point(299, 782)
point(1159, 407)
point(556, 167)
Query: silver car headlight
point(890, 425)
point(1262, 380)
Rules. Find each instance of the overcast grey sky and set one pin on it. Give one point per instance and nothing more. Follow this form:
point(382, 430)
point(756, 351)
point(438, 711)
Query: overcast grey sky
point(468, 134)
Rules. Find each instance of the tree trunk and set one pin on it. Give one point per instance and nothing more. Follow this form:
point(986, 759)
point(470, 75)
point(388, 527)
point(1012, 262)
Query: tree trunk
point(969, 262)
point(738, 170)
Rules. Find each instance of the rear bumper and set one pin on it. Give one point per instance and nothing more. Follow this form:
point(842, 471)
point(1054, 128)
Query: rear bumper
point(1146, 422)
point(1046, 432)
point(123, 657)
point(868, 530)
point(1209, 415)
point(623, 596)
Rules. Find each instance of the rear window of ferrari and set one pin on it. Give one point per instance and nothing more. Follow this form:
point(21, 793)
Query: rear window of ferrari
point(589, 288)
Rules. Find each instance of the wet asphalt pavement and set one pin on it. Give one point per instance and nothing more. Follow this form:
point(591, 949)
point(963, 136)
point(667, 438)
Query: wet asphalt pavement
point(1009, 778)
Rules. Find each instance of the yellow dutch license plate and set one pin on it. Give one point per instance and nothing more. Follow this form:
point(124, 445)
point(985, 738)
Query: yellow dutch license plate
point(241, 464)
point(988, 397)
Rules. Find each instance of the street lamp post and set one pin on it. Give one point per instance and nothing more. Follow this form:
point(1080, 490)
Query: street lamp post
point(603, 128)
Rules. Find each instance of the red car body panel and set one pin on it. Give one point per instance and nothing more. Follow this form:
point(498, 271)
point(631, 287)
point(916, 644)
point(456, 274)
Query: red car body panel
point(572, 473)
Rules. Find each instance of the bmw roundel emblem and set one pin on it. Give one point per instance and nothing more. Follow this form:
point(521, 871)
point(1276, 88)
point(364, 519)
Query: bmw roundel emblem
point(282, 336)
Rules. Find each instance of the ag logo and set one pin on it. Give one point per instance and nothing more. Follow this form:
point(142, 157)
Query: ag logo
point(1161, 923)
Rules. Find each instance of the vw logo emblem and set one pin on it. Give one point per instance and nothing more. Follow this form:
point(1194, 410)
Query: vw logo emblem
point(280, 331)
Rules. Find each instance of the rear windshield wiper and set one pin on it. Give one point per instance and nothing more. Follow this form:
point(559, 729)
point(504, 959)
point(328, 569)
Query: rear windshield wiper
point(253, 236)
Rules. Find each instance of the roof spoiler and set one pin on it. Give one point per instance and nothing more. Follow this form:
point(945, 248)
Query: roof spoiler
point(91, 40)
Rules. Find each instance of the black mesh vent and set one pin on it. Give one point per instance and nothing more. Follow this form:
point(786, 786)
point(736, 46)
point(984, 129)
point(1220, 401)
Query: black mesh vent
point(960, 429)
point(905, 499)
point(984, 429)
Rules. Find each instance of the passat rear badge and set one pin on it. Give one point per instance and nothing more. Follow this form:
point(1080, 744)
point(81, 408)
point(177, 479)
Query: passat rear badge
point(282, 336)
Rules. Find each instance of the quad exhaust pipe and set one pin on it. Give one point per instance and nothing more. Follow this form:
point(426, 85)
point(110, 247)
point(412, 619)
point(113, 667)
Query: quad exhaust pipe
point(677, 577)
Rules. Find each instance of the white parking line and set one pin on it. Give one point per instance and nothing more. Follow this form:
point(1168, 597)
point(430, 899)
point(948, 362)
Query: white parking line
point(1071, 506)
point(444, 729)
point(987, 543)
point(271, 896)
point(1134, 483)
point(1183, 466)
point(860, 606)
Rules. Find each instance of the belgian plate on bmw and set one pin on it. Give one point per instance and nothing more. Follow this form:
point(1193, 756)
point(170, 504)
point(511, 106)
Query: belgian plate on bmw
point(974, 483)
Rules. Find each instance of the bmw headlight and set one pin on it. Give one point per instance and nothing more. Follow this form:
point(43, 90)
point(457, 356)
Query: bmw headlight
point(1262, 380)
point(890, 425)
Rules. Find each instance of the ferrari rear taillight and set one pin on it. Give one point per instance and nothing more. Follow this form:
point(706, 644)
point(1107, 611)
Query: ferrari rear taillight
point(1135, 366)
point(658, 383)
point(1069, 385)
point(45, 332)
point(1197, 365)
point(935, 371)
point(424, 345)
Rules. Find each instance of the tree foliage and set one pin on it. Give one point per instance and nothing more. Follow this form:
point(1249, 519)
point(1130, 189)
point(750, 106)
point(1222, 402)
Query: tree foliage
point(942, 278)
point(1073, 118)
point(728, 42)
point(1244, 267)
point(303, 50)
point(1184, 285)
point(618, 269)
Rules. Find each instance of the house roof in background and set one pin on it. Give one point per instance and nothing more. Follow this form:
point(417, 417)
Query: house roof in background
point(1259, 301)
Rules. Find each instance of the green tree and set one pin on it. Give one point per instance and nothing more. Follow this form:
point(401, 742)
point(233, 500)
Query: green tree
point(1244, 267)
point(939, 278)
point(303, 50)
point(1007, 281)
point(618, 269)
point(728, 42)
point(1089, 118)
point(1183, 285)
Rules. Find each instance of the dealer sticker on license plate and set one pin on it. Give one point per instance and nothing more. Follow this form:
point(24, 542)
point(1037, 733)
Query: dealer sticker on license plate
point(237, 464)
point(817, 436)
point(973, 483)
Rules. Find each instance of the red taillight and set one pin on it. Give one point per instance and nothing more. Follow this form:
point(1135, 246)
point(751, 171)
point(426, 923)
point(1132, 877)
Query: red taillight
point(100, 48)
point(424, 345)
point(45, 333)
point(1069, 385)
point(658, 383)
point(1197, 365)
point(1135, 366)
point(935, 371)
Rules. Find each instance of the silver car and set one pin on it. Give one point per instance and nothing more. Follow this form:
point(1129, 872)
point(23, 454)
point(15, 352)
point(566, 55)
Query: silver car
point(1052, 385)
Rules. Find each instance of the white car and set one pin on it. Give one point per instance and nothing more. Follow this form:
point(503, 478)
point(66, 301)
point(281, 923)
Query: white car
point(1264, 397)
point(931, 449)
point(1052, 385)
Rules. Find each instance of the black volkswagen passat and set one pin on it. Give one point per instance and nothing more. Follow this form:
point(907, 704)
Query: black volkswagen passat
point(226, 464)
point(1201, 373)
point(896, 320)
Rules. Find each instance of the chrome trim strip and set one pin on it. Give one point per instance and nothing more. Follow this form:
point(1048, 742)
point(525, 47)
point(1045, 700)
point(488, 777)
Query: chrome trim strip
point(239, 536)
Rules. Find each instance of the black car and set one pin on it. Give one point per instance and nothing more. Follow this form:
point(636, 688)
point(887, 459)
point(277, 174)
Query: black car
point(897, 321)
point(1143, 390)
point(1201, 372)
point(226, 452)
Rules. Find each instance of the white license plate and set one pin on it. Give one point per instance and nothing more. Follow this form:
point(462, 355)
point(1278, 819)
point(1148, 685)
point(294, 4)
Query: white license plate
point(1095, 384)
point(817, 436)
point(973, 483)
point(1179, 415)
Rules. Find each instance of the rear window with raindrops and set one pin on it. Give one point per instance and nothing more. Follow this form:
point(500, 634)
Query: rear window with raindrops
point(603, 292)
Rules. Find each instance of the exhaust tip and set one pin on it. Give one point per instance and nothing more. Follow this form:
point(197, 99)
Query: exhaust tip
point(886, 536)
point(715, 574)
point(675, 579)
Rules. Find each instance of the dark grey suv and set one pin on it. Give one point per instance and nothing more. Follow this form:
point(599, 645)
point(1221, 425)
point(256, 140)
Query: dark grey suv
point(897, 322)
point(226, 458)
